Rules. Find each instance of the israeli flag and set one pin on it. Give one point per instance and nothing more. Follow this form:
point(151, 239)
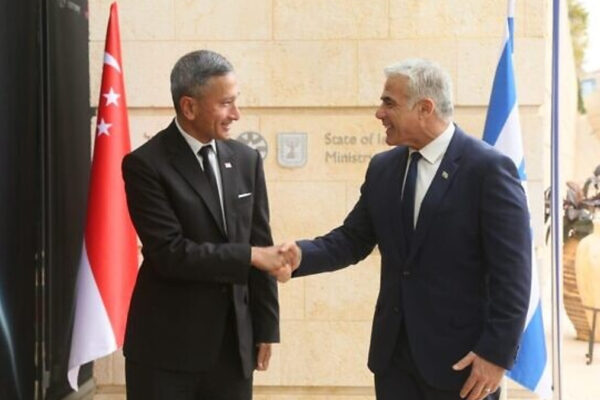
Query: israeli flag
point(503, 131)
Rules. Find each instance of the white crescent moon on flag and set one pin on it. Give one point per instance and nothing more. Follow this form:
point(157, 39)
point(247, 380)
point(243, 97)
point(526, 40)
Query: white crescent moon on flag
point(110, 60)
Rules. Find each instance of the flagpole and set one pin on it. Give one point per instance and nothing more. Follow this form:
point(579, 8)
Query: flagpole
point(557, 238)
point(532, 368)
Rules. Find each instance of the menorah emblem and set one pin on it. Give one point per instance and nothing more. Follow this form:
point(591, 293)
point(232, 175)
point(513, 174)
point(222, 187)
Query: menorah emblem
point(292, 149)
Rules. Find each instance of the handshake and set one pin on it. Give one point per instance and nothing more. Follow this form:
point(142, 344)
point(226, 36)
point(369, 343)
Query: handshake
point(279, 261)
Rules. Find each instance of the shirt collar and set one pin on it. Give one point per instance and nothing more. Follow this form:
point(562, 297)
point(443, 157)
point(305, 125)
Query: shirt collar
point(435, 149)
point(194, 143)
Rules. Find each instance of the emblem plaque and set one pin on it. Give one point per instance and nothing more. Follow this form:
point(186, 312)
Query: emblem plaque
point(255, 141)
point(292, 149)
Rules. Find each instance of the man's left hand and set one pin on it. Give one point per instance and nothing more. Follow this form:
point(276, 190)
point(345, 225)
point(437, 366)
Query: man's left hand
point(484, 379)
point(263, 356)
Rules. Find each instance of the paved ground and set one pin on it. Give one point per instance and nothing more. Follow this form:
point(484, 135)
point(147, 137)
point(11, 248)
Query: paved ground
point(580, 381)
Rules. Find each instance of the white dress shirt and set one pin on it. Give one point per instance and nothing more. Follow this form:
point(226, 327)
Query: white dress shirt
point(432, 155)
point(196, 145)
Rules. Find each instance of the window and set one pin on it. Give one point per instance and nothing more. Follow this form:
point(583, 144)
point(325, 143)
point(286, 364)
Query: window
point(588, 86)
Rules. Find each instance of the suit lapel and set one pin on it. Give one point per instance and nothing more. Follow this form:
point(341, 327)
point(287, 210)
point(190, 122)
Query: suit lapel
point(438, 188)
point(186, 163)
point(397, 177)
point(227, 167)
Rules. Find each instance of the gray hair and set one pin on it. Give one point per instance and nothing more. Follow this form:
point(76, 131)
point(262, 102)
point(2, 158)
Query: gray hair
point(426, 80)
point(193, 70)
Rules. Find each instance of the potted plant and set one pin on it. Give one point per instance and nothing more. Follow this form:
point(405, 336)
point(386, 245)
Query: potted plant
point(579, 207)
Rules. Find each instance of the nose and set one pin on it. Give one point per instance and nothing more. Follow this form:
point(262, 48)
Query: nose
point(379, 114)
point(235, 112)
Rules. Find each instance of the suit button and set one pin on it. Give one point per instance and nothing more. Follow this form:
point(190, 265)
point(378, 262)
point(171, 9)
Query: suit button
point(406, 273)
point(396, 310)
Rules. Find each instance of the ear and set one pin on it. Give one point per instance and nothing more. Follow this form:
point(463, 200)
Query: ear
point(426, 107)
point(187, 106)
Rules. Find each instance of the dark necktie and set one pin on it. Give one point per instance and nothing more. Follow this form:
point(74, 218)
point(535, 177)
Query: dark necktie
point(408, 198)
point(209, 172)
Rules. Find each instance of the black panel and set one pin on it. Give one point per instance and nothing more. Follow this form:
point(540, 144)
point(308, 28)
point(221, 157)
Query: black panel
point(44, 167)
point(67, 171)
point(20, 193)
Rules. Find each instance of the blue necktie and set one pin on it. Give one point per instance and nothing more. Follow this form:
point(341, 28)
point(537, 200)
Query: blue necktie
point(408, 198)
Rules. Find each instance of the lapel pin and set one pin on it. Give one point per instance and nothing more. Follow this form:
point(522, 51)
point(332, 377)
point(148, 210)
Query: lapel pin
point(227, 165)
point(444, 175)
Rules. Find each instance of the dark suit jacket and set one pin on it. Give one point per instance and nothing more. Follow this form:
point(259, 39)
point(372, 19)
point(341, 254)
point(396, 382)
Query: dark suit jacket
point(464, 285)
point(193, 271)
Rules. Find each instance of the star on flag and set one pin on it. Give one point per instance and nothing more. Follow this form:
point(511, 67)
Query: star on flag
point(103, 128)
point(111, 97)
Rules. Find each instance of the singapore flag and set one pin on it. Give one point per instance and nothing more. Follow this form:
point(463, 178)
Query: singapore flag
point(109, 264)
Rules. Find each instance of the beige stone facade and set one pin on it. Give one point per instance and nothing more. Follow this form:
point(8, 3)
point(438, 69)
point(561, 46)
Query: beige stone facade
point(589, 126)
point(315, 67)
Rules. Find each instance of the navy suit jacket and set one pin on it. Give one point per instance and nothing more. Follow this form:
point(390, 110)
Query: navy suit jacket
point(464, 285)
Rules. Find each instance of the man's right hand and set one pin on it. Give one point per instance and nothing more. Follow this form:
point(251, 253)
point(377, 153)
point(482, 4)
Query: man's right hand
point(279, 261)
point(292, 253)
point(267, 259)
point(271, 260)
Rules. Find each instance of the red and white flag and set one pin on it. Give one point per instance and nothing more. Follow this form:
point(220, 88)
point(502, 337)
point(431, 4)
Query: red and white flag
point(109, 264)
